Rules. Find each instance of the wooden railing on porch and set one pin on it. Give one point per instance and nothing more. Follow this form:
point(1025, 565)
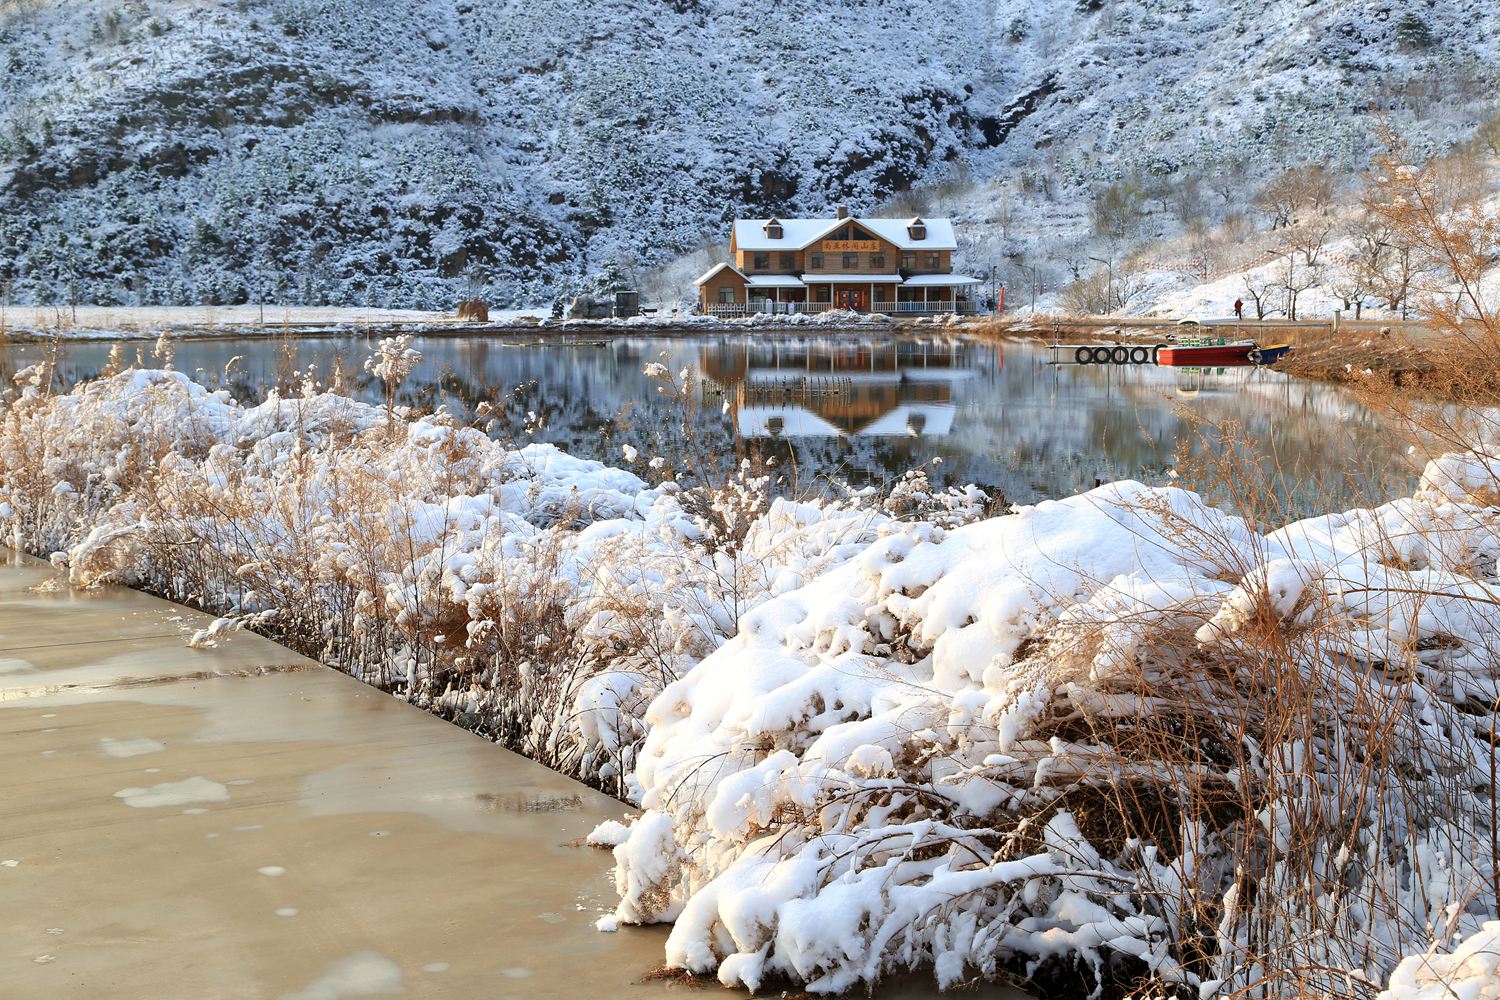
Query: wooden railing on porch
point(731, 311)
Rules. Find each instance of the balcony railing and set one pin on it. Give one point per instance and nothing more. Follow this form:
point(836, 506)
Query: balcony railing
point(731, 311)
point(921, 308)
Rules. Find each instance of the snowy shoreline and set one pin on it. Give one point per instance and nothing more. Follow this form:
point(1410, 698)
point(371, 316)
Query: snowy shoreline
point(870, 733)
point(38, 325)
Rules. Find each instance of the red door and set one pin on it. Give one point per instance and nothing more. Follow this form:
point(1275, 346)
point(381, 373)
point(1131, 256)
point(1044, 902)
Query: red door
point(850, 298)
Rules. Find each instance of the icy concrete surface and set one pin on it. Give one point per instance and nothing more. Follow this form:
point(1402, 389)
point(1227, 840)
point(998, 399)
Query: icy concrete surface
point(241, 822)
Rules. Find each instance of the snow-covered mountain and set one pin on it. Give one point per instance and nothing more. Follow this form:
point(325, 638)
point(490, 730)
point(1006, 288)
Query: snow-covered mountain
point(408, 152)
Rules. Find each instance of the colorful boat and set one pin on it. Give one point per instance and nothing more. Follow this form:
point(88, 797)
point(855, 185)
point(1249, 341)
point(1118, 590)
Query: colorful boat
point(1206, 355)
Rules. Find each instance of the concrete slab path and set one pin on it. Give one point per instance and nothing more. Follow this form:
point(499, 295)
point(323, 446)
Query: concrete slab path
point(240, 822)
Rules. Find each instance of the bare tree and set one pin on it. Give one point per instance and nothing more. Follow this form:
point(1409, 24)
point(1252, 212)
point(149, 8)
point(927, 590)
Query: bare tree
point(1089, 294)
point(1391, 269)
point(1129, 286)
point(1116, 209)
point(1106, 290)
point(1188, 200)
point(1290, 192)
point(1310, 241)
point(1295, 279)
point(1260, 293)
point(1280, 199)
point(1488, 136)
point(1203, 247)
point(1349, 286)
point(1443, 228)
point(1004, 213)
point(1381, 264)
point(1228, 179)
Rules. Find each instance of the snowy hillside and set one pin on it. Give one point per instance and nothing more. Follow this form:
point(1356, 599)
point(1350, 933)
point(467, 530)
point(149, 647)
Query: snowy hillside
point(403, 154)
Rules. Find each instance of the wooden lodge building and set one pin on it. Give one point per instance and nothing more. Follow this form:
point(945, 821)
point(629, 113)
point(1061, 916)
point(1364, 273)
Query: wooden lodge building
point(812, 265)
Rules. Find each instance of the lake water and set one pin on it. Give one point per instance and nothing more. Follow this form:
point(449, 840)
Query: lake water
point(860, 409)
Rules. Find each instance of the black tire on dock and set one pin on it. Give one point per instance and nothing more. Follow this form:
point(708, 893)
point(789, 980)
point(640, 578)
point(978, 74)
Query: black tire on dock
point(1139, 355)
point(1083, 356)
point(1101, 355)
point(1156, 353)
point(1120, 355)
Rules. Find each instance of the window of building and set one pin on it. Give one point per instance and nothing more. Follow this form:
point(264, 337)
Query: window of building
point(877, 262)
point(774, 230)
point(726, 296)
point(761, 262)
point(816, 262)
point(879, 293)
point(908, 261)
point(933, 261)
point(917, 230)
point(824, 293)
point(851, 261)
point(788, 262)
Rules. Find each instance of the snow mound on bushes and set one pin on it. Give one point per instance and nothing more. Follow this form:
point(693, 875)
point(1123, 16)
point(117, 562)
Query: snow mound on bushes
point(880, 770)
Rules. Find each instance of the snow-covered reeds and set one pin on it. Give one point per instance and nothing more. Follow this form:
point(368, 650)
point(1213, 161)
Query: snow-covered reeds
point(1118, 738)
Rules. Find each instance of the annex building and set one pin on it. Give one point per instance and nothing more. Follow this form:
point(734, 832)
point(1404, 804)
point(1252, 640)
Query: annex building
point(811, 265)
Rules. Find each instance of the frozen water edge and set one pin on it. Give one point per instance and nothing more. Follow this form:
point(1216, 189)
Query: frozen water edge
point(859, 741)
point(94, 323)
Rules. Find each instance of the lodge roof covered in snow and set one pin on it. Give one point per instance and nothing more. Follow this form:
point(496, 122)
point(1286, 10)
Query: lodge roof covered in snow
point(796, 234)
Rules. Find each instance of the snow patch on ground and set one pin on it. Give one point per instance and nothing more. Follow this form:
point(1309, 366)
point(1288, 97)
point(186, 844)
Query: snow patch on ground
point(363, 974)
point(174, 793)
point(1471, 971)
point(111, 747)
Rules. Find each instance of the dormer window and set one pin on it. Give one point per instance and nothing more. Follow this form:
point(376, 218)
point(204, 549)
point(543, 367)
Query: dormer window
point(916, 229)
point(774, 230)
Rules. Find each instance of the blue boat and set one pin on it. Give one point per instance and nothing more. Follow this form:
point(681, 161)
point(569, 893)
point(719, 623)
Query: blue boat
point(1269, 355)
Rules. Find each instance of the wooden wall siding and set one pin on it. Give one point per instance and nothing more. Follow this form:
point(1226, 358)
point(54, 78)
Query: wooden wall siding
point(833, 262)
point(919, 264)
point(708, 292)
point(745, 261)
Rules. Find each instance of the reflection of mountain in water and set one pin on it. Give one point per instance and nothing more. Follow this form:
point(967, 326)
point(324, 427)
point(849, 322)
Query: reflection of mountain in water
point(842, 389)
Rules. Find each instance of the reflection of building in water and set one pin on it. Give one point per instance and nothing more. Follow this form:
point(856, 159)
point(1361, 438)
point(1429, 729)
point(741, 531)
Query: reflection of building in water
point(839, 388)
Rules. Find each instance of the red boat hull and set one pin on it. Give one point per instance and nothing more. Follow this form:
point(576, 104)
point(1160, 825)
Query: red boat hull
point(1217, 356)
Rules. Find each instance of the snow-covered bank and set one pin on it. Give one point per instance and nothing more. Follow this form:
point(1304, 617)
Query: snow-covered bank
point(31, 323)
point(142, 322)
point(1115, 735)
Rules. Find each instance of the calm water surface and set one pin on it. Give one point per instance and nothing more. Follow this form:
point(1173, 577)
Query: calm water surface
point(860, 409)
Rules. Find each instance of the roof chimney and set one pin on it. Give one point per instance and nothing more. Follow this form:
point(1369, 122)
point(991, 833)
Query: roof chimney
point(841, 212)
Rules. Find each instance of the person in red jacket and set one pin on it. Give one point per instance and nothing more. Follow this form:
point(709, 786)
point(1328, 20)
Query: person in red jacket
point(1239, 308)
